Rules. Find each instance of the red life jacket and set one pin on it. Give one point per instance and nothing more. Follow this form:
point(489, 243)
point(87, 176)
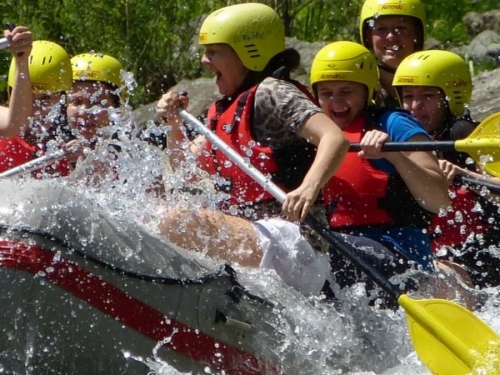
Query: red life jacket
point(16, 151)
point(454, 228)
point(361, 195)
point(354, 191)
point(234, 126)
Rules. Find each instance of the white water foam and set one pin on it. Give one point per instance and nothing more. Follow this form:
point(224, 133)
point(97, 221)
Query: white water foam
point(317, 336)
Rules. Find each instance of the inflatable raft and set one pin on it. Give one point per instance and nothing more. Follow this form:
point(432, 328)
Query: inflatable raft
point(83, 293)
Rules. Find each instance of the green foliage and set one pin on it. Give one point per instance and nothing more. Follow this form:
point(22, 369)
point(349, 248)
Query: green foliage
point(156, 39)
point(445, 18)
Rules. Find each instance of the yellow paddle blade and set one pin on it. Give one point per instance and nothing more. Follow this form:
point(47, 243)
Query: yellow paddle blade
point(449, 339)
point(483, 145)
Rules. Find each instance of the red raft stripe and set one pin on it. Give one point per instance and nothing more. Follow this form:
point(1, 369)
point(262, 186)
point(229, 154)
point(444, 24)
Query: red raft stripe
point(128, 310)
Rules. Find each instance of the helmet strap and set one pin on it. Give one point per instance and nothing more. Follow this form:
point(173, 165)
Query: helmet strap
point(446, 125)
point(386, 67)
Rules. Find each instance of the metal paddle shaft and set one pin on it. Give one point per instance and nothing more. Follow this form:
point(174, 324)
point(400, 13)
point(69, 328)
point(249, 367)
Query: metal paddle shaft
point(432, 322)
point(482, 145)
point(493, 188)
point(411, 146)
point(469, 146)
point(34, 164)
point(4, 43)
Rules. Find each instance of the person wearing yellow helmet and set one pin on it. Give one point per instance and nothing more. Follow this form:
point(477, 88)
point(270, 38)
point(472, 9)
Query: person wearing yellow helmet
point(96, 85)
point(50, 79)
point(15, 117)
point(270, 119)
point(392, 30)
point(436, 86)
point(386, 199)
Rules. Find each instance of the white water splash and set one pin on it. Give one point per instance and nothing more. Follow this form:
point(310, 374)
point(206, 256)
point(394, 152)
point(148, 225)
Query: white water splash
point(316, 336)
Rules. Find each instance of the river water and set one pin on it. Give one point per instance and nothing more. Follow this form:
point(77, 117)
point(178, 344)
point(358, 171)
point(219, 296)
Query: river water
point(348, 337)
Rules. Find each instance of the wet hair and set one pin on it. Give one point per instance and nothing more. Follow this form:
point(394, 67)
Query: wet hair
point(280, 67)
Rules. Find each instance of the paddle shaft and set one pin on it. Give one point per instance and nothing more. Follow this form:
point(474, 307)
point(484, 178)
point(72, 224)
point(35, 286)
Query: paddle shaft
point(34, 164)
point(431, 146)
point(4, 43)
point(493, 188)
point(333, 238)
point(412, 146)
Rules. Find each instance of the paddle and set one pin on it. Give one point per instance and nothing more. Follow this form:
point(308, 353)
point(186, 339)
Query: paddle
point(482, 145)
point(4, 43)
point(493, 188)
point(444, 334)
point(34, 164)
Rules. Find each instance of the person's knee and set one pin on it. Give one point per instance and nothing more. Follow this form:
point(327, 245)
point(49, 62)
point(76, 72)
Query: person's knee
point(183, 227)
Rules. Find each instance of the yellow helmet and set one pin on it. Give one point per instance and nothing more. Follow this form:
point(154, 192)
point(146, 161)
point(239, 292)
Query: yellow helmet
point(49, 67)
point(346, 61)
point(254, 31)
point(442, 69)
point(96, 67)
point(376, 8)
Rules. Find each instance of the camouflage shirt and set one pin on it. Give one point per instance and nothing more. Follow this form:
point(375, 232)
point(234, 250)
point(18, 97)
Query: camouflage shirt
point(280, 110)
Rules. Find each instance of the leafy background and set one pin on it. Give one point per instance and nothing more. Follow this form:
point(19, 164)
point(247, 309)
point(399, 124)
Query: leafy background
point(155, 39)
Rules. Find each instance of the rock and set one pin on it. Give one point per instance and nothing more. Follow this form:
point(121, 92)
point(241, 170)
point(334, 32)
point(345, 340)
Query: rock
point(493, 50)
point(483, 49)
point(491, 20)
point(431, 43)
point(202, 92)
point(307, 52)
point(478, 49)
point(474, 23)
point(485, 95)
point(477, 23)
point(144, 114)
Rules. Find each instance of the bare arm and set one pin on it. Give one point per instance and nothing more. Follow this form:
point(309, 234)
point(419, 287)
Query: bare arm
point(332, 146)
point(177, 144)
point(451, 170)
point(21, 100)
point(421, 173)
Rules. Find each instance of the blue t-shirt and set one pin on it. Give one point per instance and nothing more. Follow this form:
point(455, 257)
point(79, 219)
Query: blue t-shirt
point(401, 127)
point(411, 241)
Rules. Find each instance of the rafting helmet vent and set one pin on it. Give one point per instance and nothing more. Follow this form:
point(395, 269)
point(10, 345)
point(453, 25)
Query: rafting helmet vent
point(253, 30)
point(346, 61)
point(377, 8)
point(49, 67)
point(442, 69)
